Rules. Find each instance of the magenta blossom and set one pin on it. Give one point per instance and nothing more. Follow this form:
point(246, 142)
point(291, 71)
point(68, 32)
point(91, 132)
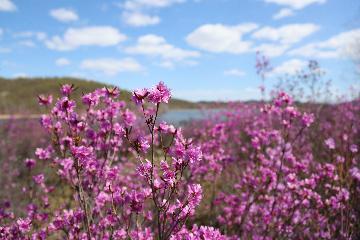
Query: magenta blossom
point(159, 94)
point(24, 224)
point(45, 100)
point(67, 89)
point(330, 143)
point(139, 96)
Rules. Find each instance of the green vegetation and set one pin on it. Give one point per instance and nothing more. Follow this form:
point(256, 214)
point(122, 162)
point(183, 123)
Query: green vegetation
point(18, 96)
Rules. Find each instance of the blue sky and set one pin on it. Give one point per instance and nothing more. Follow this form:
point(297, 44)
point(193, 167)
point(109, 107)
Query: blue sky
point(203, 49)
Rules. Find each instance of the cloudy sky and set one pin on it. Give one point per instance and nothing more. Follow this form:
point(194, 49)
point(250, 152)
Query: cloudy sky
point(203, 49)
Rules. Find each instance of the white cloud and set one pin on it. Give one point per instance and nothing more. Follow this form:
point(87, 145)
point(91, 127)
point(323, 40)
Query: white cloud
point(289, 67)
point(135, 5)
point(111, 66)
point(167, 64)
point(272, 50)
point(138, 19)
point(25, 34)
point(284, 12)
point(41, 36)
point(314, 50)
point(5, 50)
point(27, 43)
point(296, 4)
point(340, 45)
point(291, 6)
point(234, 72)
point(134, 16)
point(102, 36)
point(29, 34)
point(221, 38)
point(154, 45)
point(64, 15)
point(62, 62)
point(7, 6)
point(20, 75)
point(191, 62)
point(286, 34)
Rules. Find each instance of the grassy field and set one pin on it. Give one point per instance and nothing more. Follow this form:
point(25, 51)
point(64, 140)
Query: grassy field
point(18, 96)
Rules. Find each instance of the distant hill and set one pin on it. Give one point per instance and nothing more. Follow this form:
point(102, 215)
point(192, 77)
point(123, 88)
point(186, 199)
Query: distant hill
point(19, 96)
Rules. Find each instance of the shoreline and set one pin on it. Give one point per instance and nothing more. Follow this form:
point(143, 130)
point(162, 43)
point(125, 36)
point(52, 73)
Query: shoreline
point(19, 116)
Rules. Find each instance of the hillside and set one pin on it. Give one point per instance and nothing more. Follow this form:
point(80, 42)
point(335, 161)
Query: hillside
point(19, 96)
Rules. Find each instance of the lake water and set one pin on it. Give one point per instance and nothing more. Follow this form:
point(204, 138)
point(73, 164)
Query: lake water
point(178, 117)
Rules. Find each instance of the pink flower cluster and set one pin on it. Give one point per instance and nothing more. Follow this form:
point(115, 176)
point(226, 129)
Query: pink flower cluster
point(123, 178)
point(274, 170)
point(279, 174)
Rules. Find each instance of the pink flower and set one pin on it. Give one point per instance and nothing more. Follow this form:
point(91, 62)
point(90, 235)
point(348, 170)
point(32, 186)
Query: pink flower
point(67, 89)
point(142, 144)
point(194, 194)
point(90, 99)
point(129, 118)
point(112, 91)
point(65, 105)
point(178, 149)
point(160, 93)
point(45, 100)
point(39, 179)
point(24, 224)
point(353, 148)
point(67, 164)
point(144, 169)
point(136, 202)
point(101, 199)
point(82, 153)
point(355, 173)
point(168, 174)
point(282, 99)
point(43, 154)
point(118, 129)
point(340, 159)
point(193, 154)
point(46, 121)
point(197, 233)
point(307, 119)
point(30, 163)
point(120, 234)
point(167, 128)
point(330, 143)
point(139, 96)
